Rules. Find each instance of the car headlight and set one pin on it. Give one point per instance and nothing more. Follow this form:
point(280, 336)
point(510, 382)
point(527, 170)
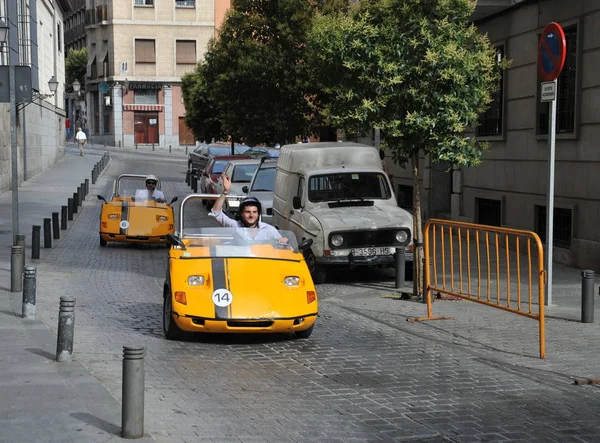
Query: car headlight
point(196, 280)
point(113, 217)
point(161, 218)
point(291, 280)
point(337, 240)
point(401, 236)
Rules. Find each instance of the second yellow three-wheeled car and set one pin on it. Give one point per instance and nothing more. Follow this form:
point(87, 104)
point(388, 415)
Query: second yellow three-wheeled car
point(133, 214)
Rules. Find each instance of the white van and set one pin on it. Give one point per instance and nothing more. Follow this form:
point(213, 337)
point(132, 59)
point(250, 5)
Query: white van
point(338, 195)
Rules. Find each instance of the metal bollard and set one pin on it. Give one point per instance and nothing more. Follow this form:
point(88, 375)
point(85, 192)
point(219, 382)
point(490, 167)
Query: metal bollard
point(79, 196)
point(29, 288)
point(16, 269)
point(94, 174)
point(66, 326)
point(195, 183)
point(35, 242)
point(82, 186)
point(87, 186)
point(132, 414)
point(69, 209)
point(186, 150)
point(119, 143)
point(75, 203)
point(104, 143)
point(21, 242)
point(400, 256)
point(63, 218)
point(55, 226)
point(187, 178)
point(587, 296)
point(153, 146)
point(169, 149)
point(47, 233)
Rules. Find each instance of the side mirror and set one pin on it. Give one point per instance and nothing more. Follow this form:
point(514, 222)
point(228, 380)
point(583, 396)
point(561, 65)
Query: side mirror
point(245, 189)
point(175, 241)
point(101, 198)
point(174, 200)
point(305, 244)
point(296, 203)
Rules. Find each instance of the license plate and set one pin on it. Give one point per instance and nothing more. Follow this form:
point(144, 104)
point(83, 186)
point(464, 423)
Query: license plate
point(368, 252)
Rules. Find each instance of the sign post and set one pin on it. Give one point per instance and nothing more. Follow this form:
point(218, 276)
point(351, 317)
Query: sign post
point(551, 59)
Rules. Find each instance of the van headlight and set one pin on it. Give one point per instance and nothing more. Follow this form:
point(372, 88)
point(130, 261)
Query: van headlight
point(196, 280)
point(337, 240)
point(401, 236)
point(161, 218)
point(113, 217)
point(291, 280)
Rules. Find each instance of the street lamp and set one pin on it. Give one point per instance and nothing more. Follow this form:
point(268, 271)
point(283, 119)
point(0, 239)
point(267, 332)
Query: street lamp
point(126, 85)
point(53, 84)
point(77, 87)
point(3, 31)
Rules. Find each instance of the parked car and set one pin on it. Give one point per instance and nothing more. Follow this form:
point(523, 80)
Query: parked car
point(260, 152)
point(338, 195)
point(125, 219)
point(240, 172)
point(199, 157)
point(262, 186)
point(220, 280)
point(209, 177)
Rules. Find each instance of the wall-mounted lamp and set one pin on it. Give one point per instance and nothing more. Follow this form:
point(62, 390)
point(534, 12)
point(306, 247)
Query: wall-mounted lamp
point(126, 85)
point(77, 87)
point(3, 31)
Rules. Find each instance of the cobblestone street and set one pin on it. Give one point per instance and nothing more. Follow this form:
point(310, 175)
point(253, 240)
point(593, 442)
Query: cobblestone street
point(365, 375)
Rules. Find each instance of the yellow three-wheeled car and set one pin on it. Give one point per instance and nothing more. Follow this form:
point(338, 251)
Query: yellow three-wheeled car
point(126, 218)
point(225, 280)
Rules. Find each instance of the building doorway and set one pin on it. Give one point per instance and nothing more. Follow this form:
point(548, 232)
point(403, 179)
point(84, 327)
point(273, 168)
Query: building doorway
point(186, 136)
point(146, 128)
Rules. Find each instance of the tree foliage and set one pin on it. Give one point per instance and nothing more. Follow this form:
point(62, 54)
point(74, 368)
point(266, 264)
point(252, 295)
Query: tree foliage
point(256, 71)
point(75, 67)
point(416, 69)
point(202, 114)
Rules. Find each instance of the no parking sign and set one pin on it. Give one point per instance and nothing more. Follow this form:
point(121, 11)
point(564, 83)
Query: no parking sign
point(552, 51)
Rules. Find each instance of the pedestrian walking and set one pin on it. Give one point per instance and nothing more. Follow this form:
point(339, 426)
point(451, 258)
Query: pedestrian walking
point(68, 127)
point(81, 140)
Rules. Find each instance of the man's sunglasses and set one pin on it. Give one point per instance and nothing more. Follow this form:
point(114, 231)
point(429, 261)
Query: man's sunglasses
point(151, 183)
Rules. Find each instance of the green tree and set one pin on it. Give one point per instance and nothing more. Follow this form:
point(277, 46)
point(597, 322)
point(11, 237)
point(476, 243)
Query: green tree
point(416, 69)
point(257, 71)
point(75, 67)
point(201, 113)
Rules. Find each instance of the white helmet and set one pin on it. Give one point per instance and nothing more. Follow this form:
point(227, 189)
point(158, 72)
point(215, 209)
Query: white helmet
point(152, 177)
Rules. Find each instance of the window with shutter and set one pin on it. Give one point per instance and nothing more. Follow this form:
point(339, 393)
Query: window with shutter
point(185, 52)
point(144, 51)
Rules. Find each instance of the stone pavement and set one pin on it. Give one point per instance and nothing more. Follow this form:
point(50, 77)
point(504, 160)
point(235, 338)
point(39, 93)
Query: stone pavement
point(42, 400)
point(365, 375)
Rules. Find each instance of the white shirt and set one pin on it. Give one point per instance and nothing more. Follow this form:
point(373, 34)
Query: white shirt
point(265, 230)
point(80, 136)
point(145, 194)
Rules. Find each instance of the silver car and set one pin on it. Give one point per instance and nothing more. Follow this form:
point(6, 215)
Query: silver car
point(240, 172)
point(262, 186)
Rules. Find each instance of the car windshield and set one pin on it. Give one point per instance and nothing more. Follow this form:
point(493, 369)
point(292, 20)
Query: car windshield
point(127, 186)
point(219, 150)
point(348, 186)
point(219, 166)
point(238, 243)
point(243, 173)
point(264, 180)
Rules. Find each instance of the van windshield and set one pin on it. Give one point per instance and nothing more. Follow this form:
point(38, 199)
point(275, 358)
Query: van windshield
point(348, 186)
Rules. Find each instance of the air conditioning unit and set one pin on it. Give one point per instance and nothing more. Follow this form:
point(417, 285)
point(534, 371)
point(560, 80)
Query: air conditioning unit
point(107, 100)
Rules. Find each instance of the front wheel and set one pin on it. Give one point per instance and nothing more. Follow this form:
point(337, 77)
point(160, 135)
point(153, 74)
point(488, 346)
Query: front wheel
point(317, 271)
point(102, 242)
point(170, 328)
point(304, 334)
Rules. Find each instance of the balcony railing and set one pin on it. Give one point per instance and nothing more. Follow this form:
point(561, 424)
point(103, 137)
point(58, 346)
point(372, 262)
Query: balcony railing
point(97, 15)
point(74, 33)
point(185, 3)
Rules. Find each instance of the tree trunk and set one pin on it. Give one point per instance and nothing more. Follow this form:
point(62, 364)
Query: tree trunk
point(417, 228)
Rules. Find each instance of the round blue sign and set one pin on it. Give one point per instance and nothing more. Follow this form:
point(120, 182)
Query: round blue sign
point(551, 52)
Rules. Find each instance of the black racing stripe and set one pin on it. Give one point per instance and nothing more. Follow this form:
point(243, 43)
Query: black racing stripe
point(219, 282)
point(124, 216)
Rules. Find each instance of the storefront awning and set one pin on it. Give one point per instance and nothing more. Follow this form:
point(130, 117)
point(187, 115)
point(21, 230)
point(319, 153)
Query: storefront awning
point(155, 108)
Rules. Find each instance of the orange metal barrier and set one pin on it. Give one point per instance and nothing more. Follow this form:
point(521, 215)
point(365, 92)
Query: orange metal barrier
point(481, 260)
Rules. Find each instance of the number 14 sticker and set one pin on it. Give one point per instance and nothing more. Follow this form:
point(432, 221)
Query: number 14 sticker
point(222, 298)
